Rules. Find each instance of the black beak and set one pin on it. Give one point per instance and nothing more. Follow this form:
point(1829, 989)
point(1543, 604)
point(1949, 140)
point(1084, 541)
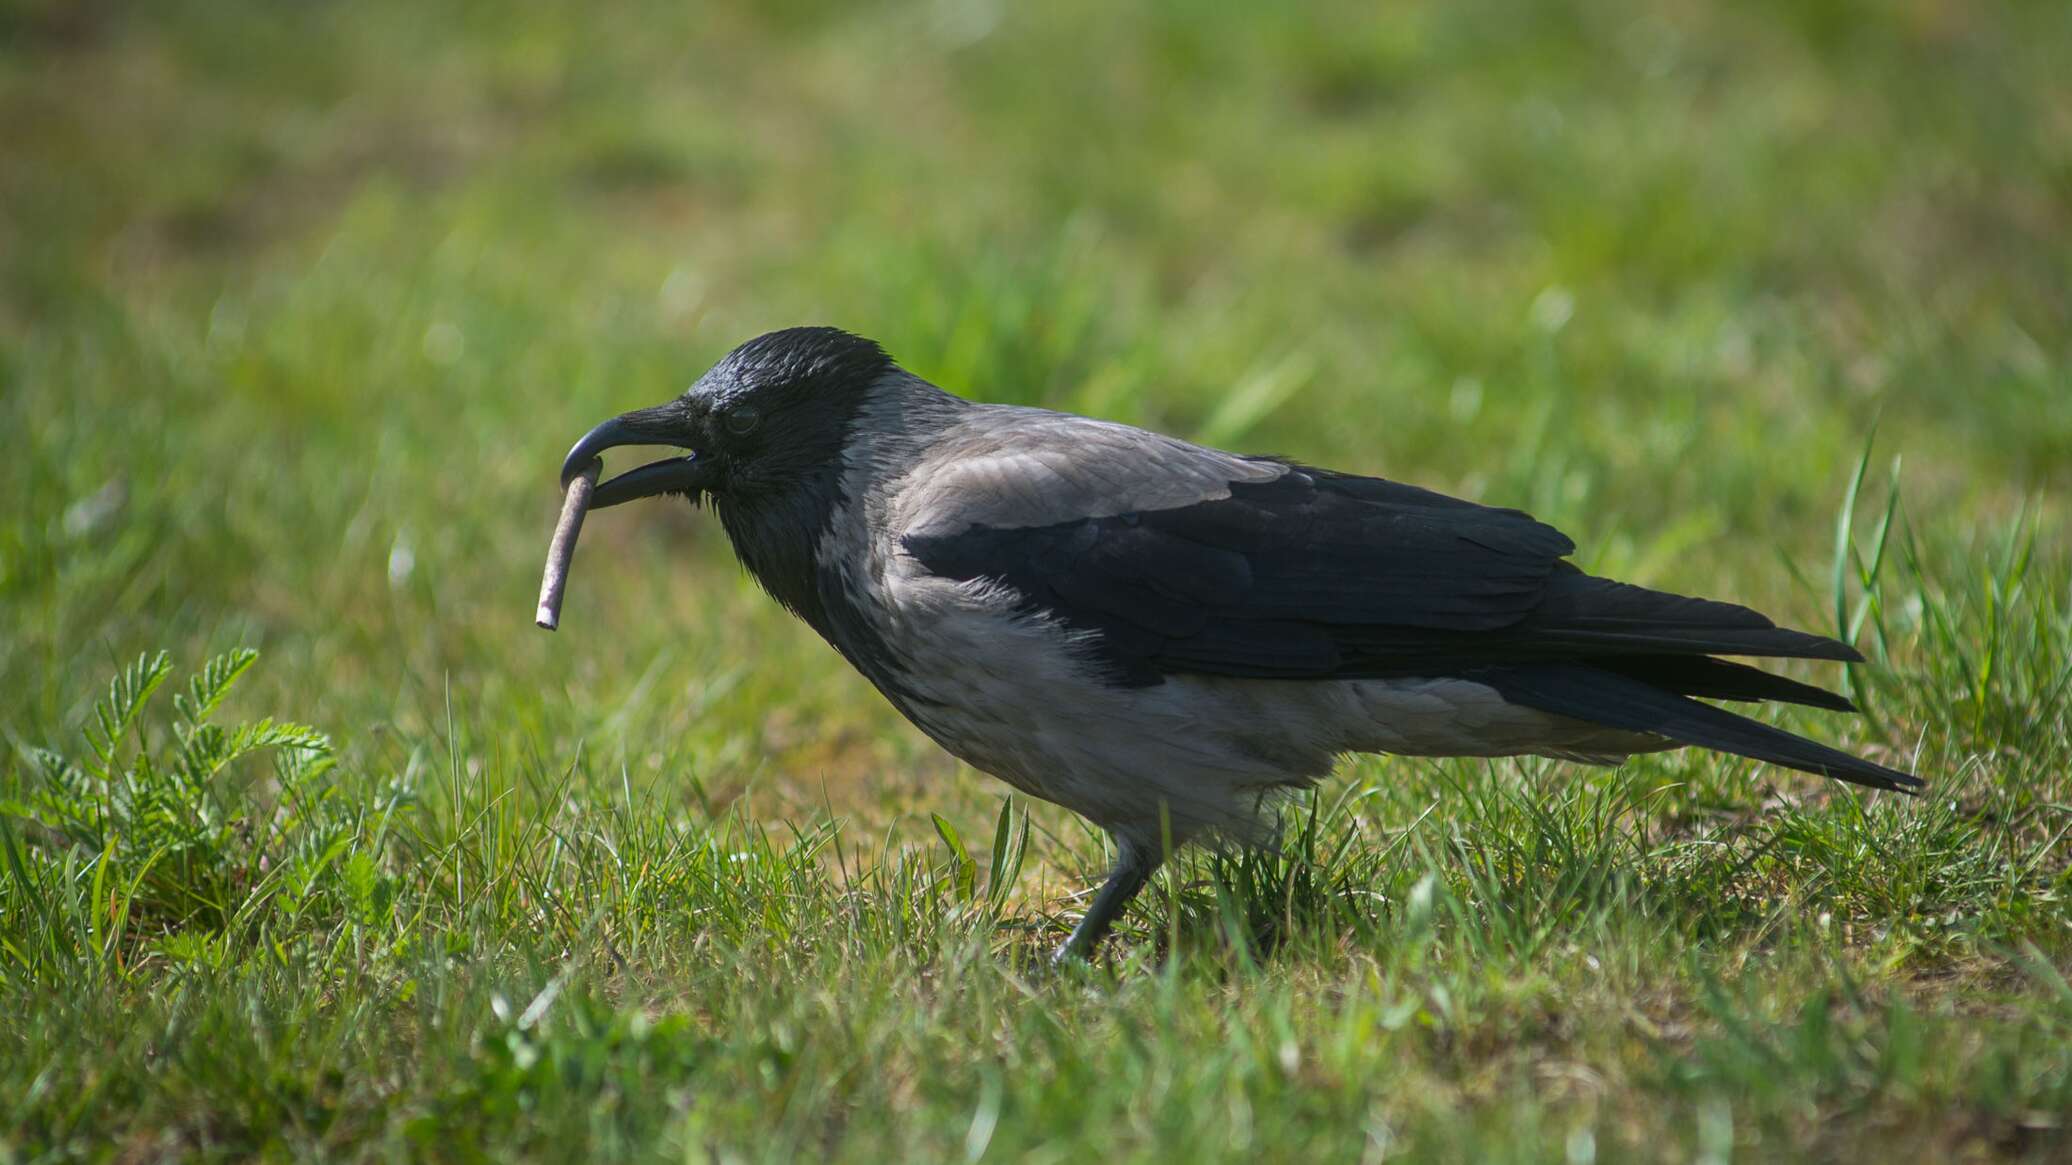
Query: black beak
point(661, 425)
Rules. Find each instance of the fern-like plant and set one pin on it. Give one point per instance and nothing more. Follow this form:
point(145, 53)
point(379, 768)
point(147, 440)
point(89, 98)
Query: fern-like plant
point(174, 833)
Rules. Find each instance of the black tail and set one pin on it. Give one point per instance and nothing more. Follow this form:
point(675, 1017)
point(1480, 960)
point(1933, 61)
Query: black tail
point(1597, 617)
point(1629, 699)
point(1719, 679)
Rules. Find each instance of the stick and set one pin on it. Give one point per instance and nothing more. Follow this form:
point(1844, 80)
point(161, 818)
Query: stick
point(562, 550)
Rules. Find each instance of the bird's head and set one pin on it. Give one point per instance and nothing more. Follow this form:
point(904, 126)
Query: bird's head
point(771, 414)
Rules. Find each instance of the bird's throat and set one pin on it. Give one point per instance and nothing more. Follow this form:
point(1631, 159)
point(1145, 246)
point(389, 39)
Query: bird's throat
point(776, 536)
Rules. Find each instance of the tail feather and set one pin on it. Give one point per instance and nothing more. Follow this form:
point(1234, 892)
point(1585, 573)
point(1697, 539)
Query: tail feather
point(1774, 642)
point(1584, 692)
point(1719, 679)
point(1598, 616)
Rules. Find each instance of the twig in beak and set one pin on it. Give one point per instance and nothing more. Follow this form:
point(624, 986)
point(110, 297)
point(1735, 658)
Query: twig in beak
point(562, 550)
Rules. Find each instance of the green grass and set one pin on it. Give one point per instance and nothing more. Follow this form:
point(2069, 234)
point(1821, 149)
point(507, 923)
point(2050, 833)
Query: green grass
point(301, 304)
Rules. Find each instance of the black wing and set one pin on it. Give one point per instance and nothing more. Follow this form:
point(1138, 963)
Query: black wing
point(1321, 575)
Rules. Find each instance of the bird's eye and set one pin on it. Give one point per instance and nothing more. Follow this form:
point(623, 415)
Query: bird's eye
point(741, 420)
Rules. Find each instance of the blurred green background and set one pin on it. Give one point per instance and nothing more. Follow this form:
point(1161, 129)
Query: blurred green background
point(302, 302)
point(314, 295)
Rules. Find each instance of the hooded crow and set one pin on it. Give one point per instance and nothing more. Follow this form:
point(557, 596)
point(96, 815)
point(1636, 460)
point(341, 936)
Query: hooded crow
point(1164, 638)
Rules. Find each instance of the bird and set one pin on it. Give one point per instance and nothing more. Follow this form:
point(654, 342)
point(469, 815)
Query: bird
point(1169, 639)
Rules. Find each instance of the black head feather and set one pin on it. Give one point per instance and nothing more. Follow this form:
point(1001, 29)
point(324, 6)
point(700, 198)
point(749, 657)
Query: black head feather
point(825, 363)
point(781, 409)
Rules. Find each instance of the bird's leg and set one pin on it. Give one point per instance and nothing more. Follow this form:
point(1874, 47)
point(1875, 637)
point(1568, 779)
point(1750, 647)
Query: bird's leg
point(1134, 865)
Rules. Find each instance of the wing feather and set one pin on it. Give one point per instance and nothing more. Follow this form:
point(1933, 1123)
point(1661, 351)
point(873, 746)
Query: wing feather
point(1249, 567)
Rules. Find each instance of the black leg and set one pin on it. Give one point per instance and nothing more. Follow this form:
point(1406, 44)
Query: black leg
point(1133, 867)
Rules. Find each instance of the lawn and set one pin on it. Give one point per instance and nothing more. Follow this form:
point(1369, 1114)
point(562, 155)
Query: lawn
point(301, 304)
